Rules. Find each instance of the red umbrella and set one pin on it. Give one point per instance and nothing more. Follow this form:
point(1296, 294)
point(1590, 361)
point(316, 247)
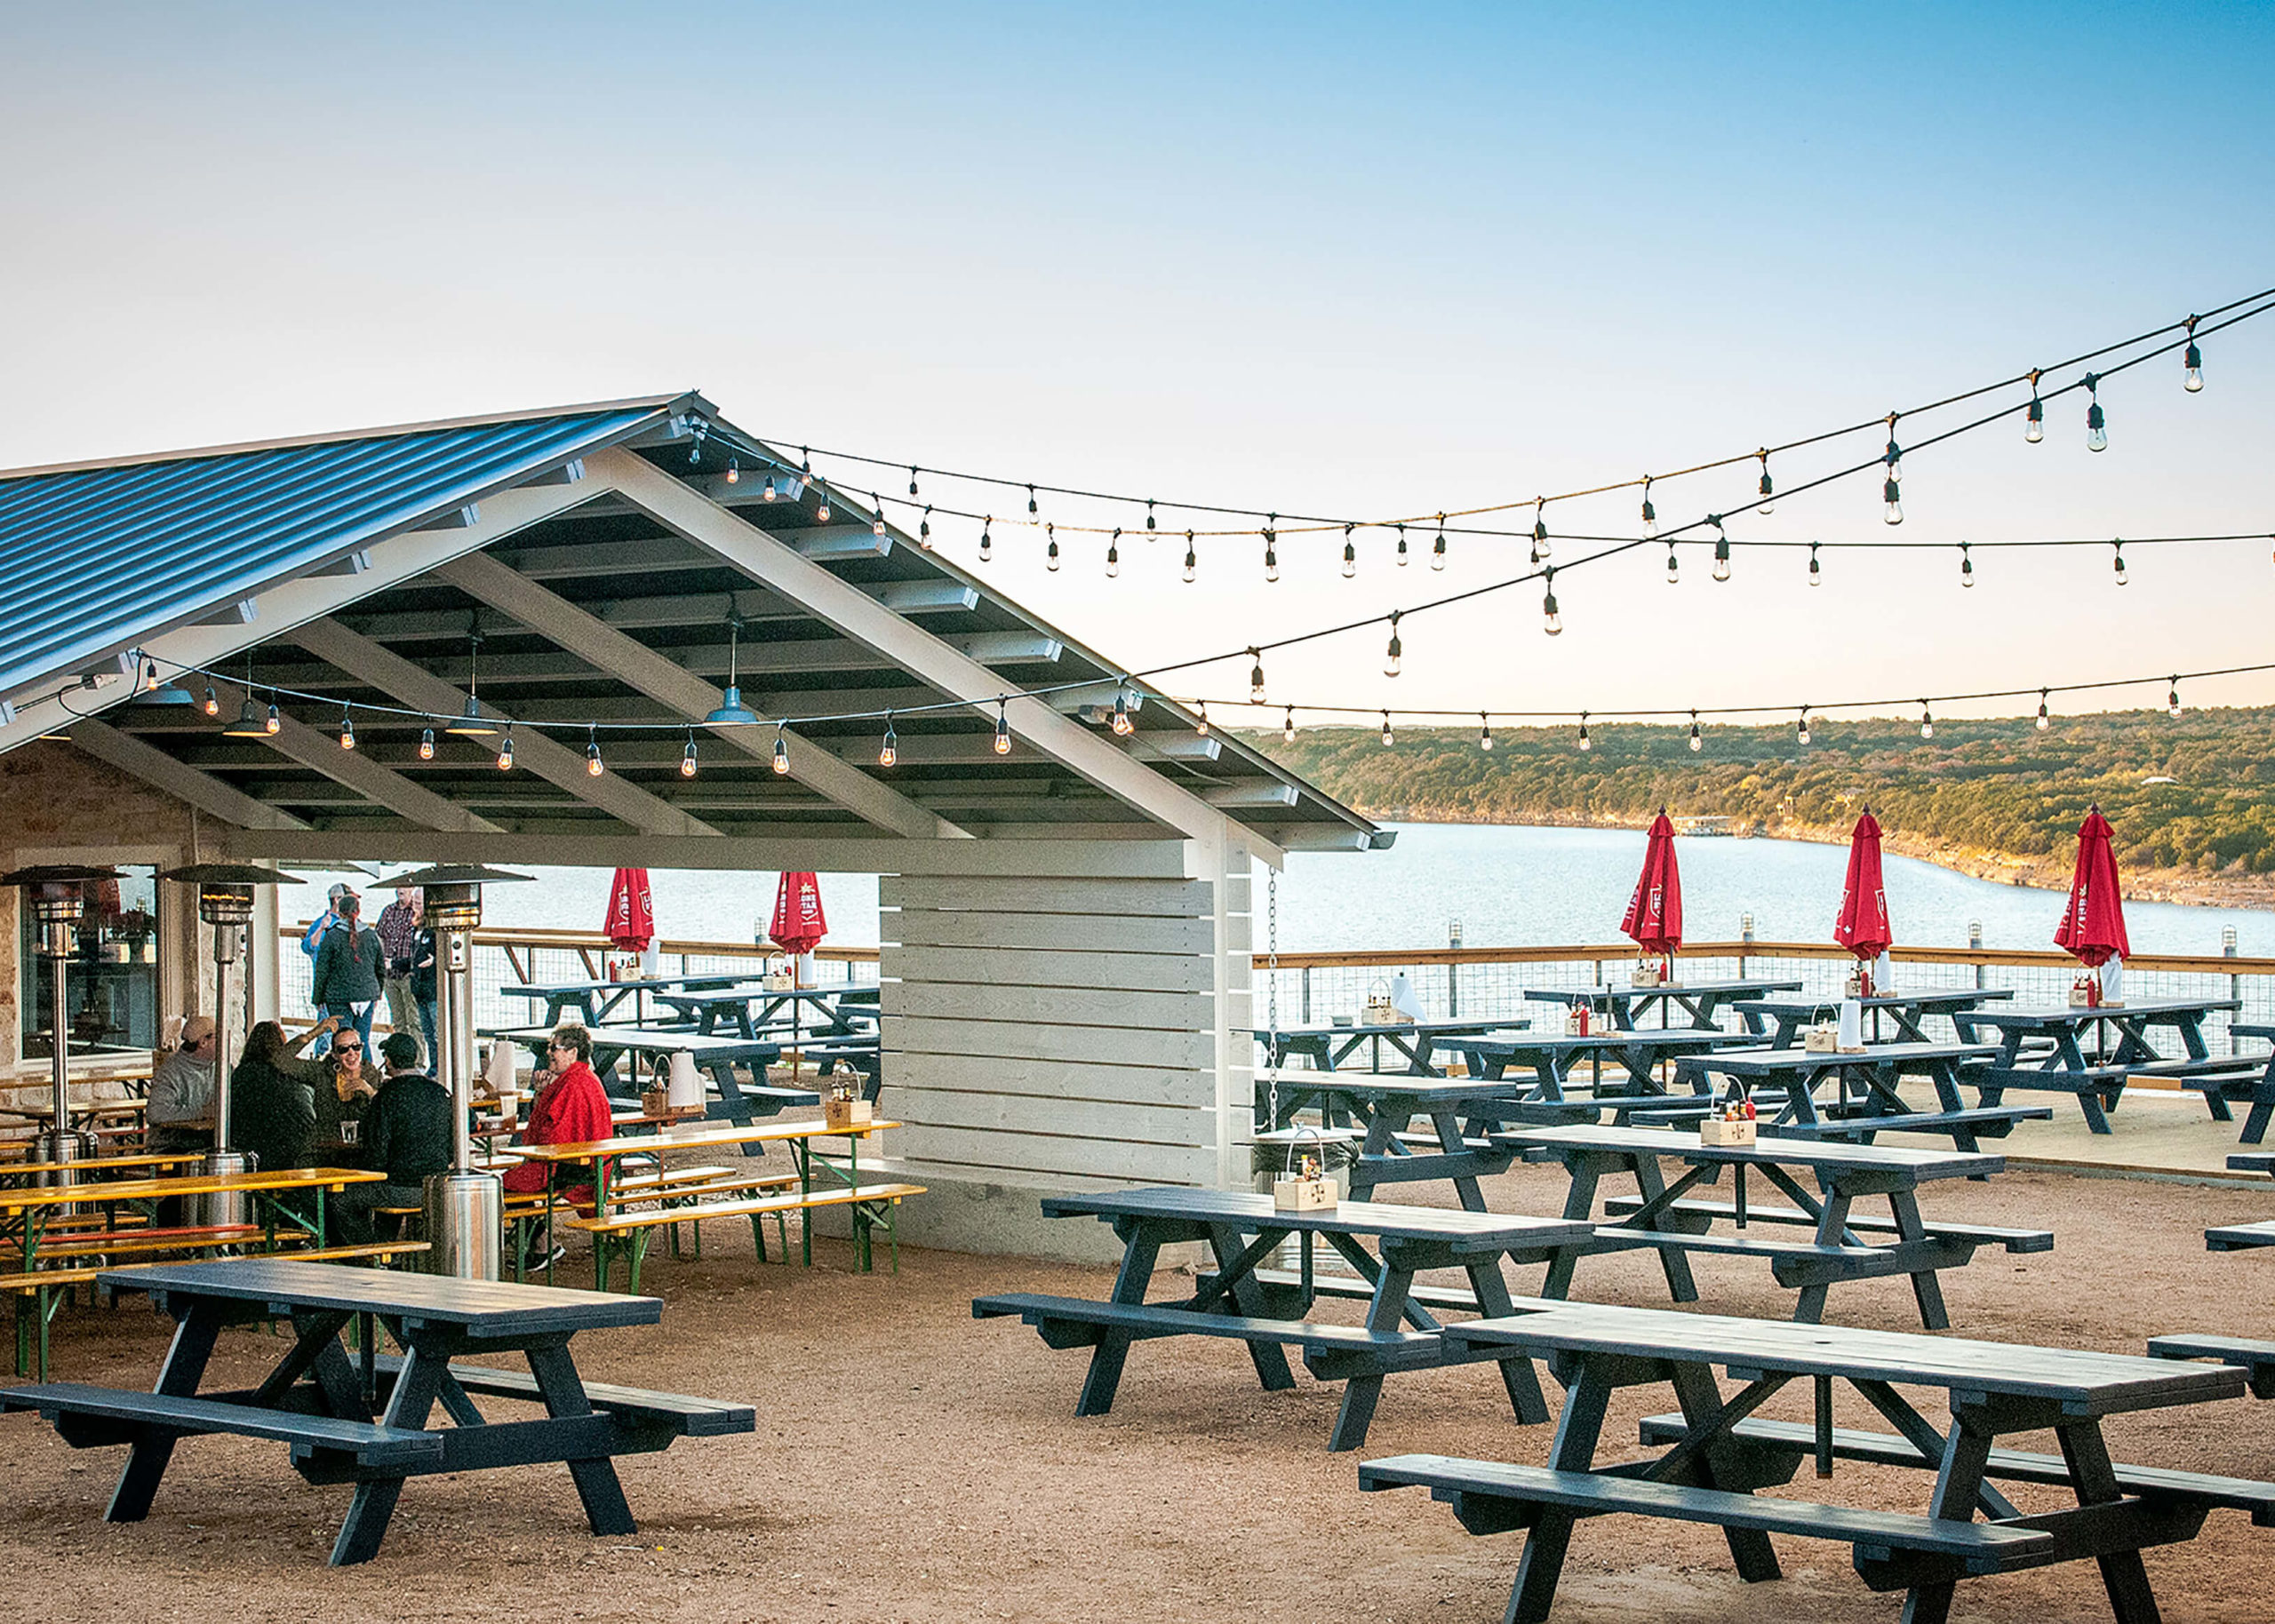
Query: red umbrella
point(1863, 925)
point(2093, 925)
point(631, 923)
point(798, 926)
point(1654, 917)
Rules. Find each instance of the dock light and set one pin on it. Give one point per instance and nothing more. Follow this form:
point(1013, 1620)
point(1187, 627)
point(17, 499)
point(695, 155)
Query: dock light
point(731, 712)
point(249, 723)
point(1391, 654)
point(889, 752)
point(781, 754)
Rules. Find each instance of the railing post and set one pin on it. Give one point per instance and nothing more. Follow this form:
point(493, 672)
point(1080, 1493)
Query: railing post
point(1307, 995)
point(1974, 944)
point(1453, 974)
point(2235, 982)
point(1745, 940)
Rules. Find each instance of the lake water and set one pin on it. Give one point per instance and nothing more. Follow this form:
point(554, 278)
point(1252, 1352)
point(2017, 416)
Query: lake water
point(1508, 885)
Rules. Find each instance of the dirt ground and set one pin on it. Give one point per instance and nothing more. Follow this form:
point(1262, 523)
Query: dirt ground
point(911, 1463)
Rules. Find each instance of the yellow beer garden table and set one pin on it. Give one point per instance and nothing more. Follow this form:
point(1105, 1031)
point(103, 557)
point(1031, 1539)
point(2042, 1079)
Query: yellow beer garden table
point(30, 1210)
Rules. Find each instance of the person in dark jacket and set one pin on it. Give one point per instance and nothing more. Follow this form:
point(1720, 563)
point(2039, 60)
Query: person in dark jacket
point(272, 1109)
point(406, 1135)
point(349, 964)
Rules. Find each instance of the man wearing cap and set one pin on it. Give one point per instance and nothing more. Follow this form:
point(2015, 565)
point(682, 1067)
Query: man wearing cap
point(398, 927)
point(181, 1092)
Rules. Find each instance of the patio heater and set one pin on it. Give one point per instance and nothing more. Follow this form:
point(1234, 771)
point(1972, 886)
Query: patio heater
point(463, 1208)
point(56, 895)
point(225, 902)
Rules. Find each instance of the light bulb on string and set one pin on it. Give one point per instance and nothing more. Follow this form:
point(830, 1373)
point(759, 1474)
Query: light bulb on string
point(1893, 456)
point(1201, 726)
point(805, 462)
point(2117, 562)
point(924, 528)
point(1031, 507)
point(1390, 655)
point(1551, 622)
point(1927, 722)
point(593, 766)
point(695, 449)
point(771, 492)
point(1696, 744)
point(1114, 556)
point(1801, 727)
point(2191, 377)
point(1402, 546)
point(877, 508)
point(986, 539)
point(149, 676)
point(506, 750)
point(1586, 746)
point(1123, 726)
point(1674, 566)
point(734, 470)
point(1721, 548)
point(1050, 553)
point(1438, 548)
point(1003, 727)
point(2172, 700)
point(1149, 514)
point(1966, 565)
point(2044, 722)
point(687, 757)
point(426, 744)
point(1650, 513)
point(1766, 505)
point(821, 511)
point(1817, 575)
point(781, 753)
point(1484, 731)
point(1539, 529)
point(275, 721)
point(1287, 727)
point(1350, 554)
point(346, 730)
point(912, 480)
point(213, 701)
point(1271, 556)
point(1389, 737)
point(1192, 559)
point(2097, 424)
point(1894, 513)
point(2034, 418)
point(889, 752)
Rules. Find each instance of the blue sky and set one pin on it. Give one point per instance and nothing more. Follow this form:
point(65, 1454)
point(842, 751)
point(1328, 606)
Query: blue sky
point(1334, 258)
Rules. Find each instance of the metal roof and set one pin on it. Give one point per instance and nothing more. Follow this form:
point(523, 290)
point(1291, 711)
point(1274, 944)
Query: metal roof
point(95, 556)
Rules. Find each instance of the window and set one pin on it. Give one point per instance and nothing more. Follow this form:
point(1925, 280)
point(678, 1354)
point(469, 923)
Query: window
point(111, 982)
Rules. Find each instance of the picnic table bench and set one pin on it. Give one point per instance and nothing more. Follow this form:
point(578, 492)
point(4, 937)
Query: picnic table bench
point(367, 1426)
point(1242, 1229)
point(1717, 1457)
point(30, 1211)
point(1700, 1001)
point(2057, 1059)
point(1326, 1046)
point(1907, 1010)
point(833, 1017)
point(1844, 1248)
point(596, 1001)
point(1865, 1099)
point(1551, 1059)
point(2244, 1236)
point(1460, 1110)
point(2245, 1079)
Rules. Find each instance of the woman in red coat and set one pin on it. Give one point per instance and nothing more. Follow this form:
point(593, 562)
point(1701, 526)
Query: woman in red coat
point(570, 1108)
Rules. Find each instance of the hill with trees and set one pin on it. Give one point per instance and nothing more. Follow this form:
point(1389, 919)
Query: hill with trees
point(2192, 800)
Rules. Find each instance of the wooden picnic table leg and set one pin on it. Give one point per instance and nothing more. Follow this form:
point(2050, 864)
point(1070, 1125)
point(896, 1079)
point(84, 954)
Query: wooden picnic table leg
point(1491, 1291)
point(557, 1382)
point(1578, 1430)
point(1957, 1482)
point(1694, 1390)
point(1376, 1148)
point(2122, 1575)
point(1832, 1223)
point(1236, 1277)
point(2068, 1053)
point(1651, 1184)
point(1449, 1140)
point(416, 1387)
point(1142, 1251)
point(2263, 1105)
point(194, 1334)
point(1384, 1312)
point(1926, 1289)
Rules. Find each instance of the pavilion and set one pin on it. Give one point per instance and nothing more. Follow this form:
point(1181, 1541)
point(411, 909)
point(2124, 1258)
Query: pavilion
point(1066, 927)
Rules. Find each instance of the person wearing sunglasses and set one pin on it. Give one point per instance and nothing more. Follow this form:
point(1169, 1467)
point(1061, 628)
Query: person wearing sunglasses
point(570, 1108)
point(350, 1082)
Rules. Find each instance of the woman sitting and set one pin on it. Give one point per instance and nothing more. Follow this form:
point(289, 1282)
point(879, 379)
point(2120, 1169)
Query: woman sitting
point(272, 1100)
point(570, 1108)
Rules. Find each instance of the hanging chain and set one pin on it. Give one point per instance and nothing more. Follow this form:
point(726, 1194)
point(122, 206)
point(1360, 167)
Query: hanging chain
point(1272, 996)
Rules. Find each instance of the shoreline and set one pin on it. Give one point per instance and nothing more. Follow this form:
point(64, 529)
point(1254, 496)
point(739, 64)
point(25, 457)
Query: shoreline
point(2186, 888)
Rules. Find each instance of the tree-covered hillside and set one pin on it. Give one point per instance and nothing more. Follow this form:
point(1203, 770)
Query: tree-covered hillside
point(2197, 794)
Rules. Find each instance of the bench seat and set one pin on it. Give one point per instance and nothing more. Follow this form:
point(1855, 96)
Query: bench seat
point(122, 1414)
point(693, 1417)
point(1076, 1322)
point(628, 1230)
point(1489, 1496)
point(2108, 1081)
point(2019, 1241)
point(2240, 1237)
point(1977, 1121)
point(1736, 1246)
point(2253, 1355)
point(100, 1242)
point(1799, 1438)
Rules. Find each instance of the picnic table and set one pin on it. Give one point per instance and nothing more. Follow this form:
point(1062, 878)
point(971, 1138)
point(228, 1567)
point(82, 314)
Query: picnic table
point(30, 1208)
point(102, 1168)
point(1328, 1047)
point(595, 1000)
point(1552, 1059)
point(366, 1422)
point(2258, 1091)
point(1865, 1100)
point(1717, 1456)
point(716, 1056)
point(1700, 1001)
point(2244, 1236)
point(1232, 1303)
point(833, 1015)
point(1907, 1010)
point(1846, 1246)
point(1381, 1108)
point(2059, 1057)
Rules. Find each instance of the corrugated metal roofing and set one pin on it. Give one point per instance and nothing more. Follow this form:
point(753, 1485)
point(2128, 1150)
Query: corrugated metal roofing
point(95, 558)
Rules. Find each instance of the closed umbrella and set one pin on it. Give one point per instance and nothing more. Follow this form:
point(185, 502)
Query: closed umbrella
point(631, 923)
point(798, 925)
point(1654, 917)
point(2093, 925)
point(1863, 927)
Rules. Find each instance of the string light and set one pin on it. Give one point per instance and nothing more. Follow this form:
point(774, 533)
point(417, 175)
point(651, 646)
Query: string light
point(1674, 568)
point(273, 723)
point(1484, 731)
point(876, 507)
point(1050, 554)
point(1551, 622)
point(593, 766)
point(2172, 700)
point(772, 492)
point(149, 676)
point(687, 757)
point(1201, 726)
point(1893, 456)
point(426, 744)
point(2117, 560)
point(1402, 546)
point(1287, 727)
point(1768, 490)
point(1270, 555)
point(1894, 512)
point(1390, 655)
point(1114, 556)
point(1585, 745)
point(1123, 725)
point(2097, 424)
point(1350, 554)
point(924, 528)
point(889, 752)
point(912, 478)
point(734, 470)
point(695, 451)
point(986, 539)
point(806, 462)
point(1002, 728)
point(1437, 550)
point(1966, 565)
point(213, 701)
point(1539, 529)
point(1801, 727)
point(1650, 513)
point(1256, 677)
point(346, 730)
point(2034, 417)
point(1927, 722)
point(821, 513)
point(1031, 507)
point(2044, 722)
point(2192, 361)
point(1817, 576)
point(781, 753)
point(1389, 738)
point(506, 751)
point(1696, 744)
point(1721, 548)
point(1149, 513)
point(1894, 459)
point(1192, 560)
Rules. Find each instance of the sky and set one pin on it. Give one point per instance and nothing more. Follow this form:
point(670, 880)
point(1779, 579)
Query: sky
point(1342, 259)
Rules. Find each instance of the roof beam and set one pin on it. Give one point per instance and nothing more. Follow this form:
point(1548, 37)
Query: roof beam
point(1137, 852)
point(383, 786)
point(554, 762)
point(955, 673)
point(160, 770)
point(1264, 792)
point(632, 663)
point(1176, 744)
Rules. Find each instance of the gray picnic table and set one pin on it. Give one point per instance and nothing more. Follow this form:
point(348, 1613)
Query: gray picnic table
point(1551, 1059)
point(2252, 1081)
point(1865, 1099)
point(1700, 1001)
point(1243, 1230)
point(738, 1102)
point(364, 1420)
point(833, 1016)
point(2089, 1051)
point(1717, 1454)
point(2244, 1236)
point(1382, 1108)
point(1417, 1042)
point(596, 1001)
point(1845, 1244)
point(1907, 1010)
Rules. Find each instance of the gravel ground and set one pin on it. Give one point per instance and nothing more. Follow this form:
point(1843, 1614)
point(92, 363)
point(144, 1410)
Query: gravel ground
point(911, 1463)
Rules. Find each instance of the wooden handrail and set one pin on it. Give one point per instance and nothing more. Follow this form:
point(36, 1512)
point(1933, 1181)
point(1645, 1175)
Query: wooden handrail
point(2211, 964)
point(544, 936)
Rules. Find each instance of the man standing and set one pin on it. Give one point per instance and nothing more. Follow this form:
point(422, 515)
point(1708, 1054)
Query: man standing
point(181, 1092)
point(398, 927)
point(406, 1137)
